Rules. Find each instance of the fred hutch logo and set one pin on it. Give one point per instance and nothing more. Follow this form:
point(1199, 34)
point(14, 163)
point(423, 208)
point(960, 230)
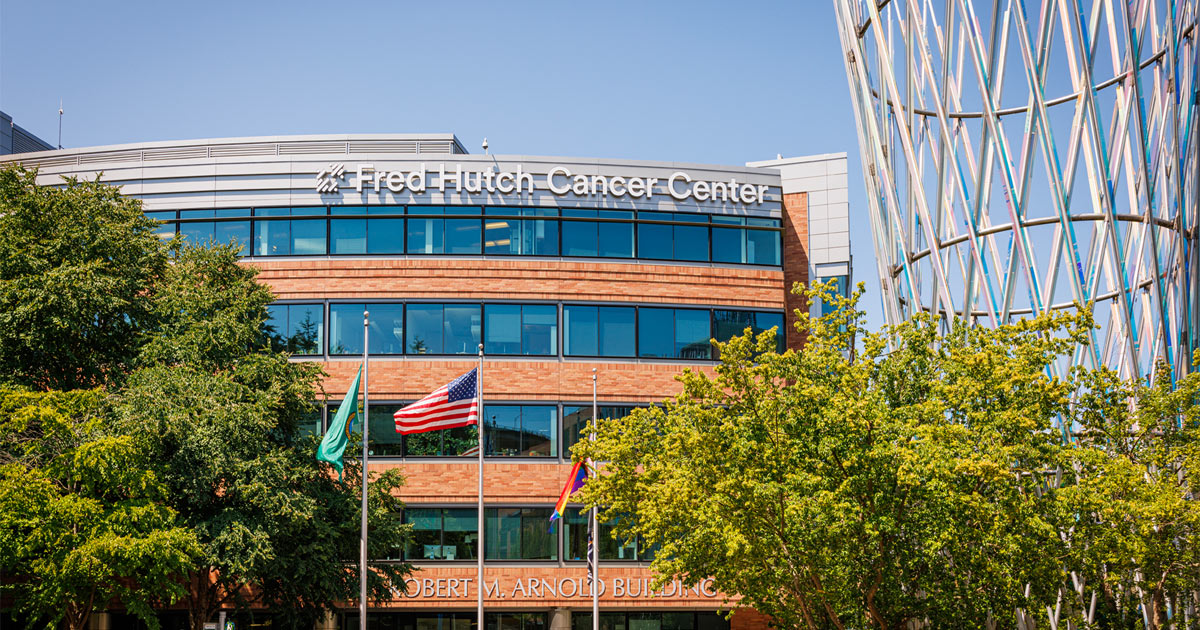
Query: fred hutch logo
point(559, 181)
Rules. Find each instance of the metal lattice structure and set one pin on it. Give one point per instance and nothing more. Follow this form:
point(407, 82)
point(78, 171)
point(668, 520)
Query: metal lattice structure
point(1021, 157)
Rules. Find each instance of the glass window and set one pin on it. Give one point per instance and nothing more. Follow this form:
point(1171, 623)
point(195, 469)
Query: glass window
point(385, 236)
point(656, 332)
point(426, 236)
point(462, 329)
point(762, 246)
point(166, 229)
point(346, 334)
point(308, 237)
point(347, 236)
point(463, 235)
point(521, 430)
point(529, 329)
point(272, 212)
point(728, 243)
point(384, 441)
point(674, 333)
point(506, 234)
point(456, 442)
point(423, 326)
point(309, 211)
point(608, 620)
point(615, 239)
point(693, 334)
point(575, 538)
point(272, 238)
point(576, 417)
point(196, 232)
point(691, 241)
point(841, 286)
point(515, 621)
point(297, 328)
point(519, 534)
point(654, 240)
point(606, 331)
point(233, 233)
point(579, 237)
point(310, 423)
point(442, 533)
point(729, 324)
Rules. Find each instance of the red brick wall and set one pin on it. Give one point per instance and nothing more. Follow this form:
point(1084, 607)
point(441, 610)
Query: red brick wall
point(491, 279)
point(795, 258)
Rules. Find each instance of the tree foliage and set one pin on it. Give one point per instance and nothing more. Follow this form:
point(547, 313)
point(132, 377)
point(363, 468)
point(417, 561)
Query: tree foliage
point(916, 479)
point(222, 415)
point(76, 264)
point(81, 515)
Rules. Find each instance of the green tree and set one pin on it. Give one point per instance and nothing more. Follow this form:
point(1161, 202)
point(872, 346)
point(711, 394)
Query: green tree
point(81, 514)
point(902, 483)
point(76, 264)
point(1130, 512)
point(221, 414)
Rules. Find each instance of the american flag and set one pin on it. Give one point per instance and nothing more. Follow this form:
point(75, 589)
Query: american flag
point(455, 404)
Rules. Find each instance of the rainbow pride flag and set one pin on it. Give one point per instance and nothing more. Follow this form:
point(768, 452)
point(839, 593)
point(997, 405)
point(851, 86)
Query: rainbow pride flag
point(574, 483)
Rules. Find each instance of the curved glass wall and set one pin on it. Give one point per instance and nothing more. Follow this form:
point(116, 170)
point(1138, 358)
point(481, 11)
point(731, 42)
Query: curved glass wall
point(475, 230)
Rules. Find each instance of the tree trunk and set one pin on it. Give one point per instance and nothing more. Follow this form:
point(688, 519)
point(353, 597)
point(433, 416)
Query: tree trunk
point(77, 616)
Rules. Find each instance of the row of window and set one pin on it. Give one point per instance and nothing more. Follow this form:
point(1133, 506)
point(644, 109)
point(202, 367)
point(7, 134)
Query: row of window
point(513, 329)
point(580, 620)
point(472, 230)
point(509, 431)
point(513, 533)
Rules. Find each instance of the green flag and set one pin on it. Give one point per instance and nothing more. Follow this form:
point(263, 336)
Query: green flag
point(334, 443)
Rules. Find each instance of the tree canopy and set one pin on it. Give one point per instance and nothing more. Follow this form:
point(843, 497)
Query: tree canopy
point(918, 477)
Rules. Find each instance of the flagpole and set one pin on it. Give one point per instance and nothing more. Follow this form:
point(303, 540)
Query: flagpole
point(480, 551)
point(362, 549)
point(595, 529)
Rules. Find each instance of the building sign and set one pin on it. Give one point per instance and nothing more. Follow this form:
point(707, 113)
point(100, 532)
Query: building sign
point(533, 588)
point(559, 180)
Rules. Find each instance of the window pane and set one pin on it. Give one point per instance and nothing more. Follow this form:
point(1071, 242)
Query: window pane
point(276, 326)
point(503, 328)
point(461, 334)
point(503, 430)
point(387, 328)
point(691, 243)
point(462, 236)
point(654, 241)
point(711, 621)
point(580, 331)
point(347, 210)
point(445, 443)
point(729, 324)
point(460, 527)
point(537, 542)
point(272, 212)
point(538, 426)
point(231, 232)
point(692, 334)
point(576, 417)
point(608, 620)
point(424, 329)
point(165, 230)
point(616, 331)
point(762, 247)
point(578, 237)
point(501, 235)
point(426, 543)
point(385, 236)
point(384, 439)
point(272, 238)
point(345, 329)
point(197, 233)
point(539, 238)
point(539, 329)
point(348, 236)
point(306, 211)
point(305, 328)
point(503, 539)
point(308, 237)
point(616, 239)
point(656, 332)
point(645, 621)
point(728, 245)
point(425, 236)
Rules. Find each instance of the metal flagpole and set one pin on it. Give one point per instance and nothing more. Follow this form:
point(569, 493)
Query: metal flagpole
point(362, 550)
point(479, 551)
point(595, 529)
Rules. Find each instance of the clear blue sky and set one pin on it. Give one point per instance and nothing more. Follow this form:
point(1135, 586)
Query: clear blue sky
point(709, 82)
